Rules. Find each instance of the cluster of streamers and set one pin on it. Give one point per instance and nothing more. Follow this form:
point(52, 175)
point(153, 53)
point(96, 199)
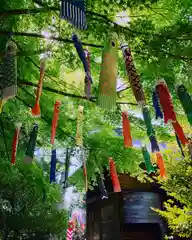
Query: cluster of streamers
point(74, 12)
point(36, 110)
point(15, 142)
point(133, 75)
point(69, 233)
point(88, 79)
point(8, 78)
point(126, 130)
point(168, 109)
point(186, 101)
point(149, 166)
point(114, 176)
point(55, 119)
point(156, 105)
point(79, 141)
point(31, 144)
point(150, 130)
point(141, 100)
point(108, 74)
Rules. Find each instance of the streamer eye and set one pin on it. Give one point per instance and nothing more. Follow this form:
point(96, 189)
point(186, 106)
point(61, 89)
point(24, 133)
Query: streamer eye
point(182, 88)
point(36, 127)
point(57, 107)
point(145, 109)
point(10, 48)
point(113, 44)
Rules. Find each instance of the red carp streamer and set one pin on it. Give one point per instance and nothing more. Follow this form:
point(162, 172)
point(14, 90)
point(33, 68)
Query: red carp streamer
point(168, 109)
point(165, 101)
point(126, 130)
point(179, 131)
point(55, 120)
point(114, 177)
point(15, 143)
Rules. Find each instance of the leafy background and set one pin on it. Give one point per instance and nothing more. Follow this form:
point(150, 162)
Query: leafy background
point(159, 34)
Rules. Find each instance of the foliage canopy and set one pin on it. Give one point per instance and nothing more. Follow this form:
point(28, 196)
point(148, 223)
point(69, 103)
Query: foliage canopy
point(159, 34)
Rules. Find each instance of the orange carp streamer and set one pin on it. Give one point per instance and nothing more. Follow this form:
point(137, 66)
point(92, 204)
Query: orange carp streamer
point(114, 176)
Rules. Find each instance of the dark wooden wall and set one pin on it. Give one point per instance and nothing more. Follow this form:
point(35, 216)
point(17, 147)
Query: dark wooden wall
point(103, 219)
point(144, 231)
point(126, 215)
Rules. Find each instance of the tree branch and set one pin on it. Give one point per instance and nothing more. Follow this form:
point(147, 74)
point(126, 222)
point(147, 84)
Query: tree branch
point(35, 35)
point(23, 82)
point(7, 13)
point(45, 9)
point(28, 53)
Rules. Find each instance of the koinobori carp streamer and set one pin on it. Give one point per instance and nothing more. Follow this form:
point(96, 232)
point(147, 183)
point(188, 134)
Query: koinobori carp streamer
point(186, 101)
point(8, 75)
point(36, 110)
point(15, 142)
point(108, 74)
point(79, 129)
point(168, 109)
point(80, 51)
point(114, 176)
point(53, 166)
point(133, 75)
point(156, 106)
point(31, 145)
point(150, 168)
point(160, 164)
point(165, 101)
point(56, 111)
point(126, 130)
point(150, 130)
point(88, 78)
